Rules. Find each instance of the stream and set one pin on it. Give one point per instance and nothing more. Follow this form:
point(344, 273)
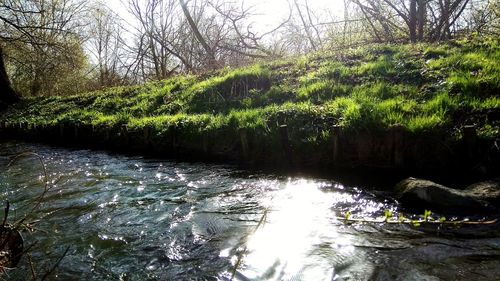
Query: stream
point(123, 217)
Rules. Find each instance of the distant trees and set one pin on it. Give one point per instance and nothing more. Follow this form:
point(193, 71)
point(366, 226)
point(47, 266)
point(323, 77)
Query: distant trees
point(192, 36)
point(155, 39)
point(105, 45)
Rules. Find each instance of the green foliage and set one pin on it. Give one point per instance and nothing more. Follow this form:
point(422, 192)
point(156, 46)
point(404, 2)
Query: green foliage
point(215, 94)
point(59, 68)
point(473, 71)
point(251, 118)
point(436, 51)
point(396, 110)
point(427, 215)
point(347, 215)
point(442, 103)
point(334, 71)
point(319, 92)
point(346, 110)
point(489, 131)
point(387, 215)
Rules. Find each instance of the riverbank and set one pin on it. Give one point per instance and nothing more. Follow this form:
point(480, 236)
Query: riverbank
point(426, 109)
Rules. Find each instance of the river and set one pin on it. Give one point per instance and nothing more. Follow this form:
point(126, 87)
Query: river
point(133, 218)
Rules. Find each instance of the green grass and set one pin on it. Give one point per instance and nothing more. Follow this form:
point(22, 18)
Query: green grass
point(421, 87)
point(383, 66)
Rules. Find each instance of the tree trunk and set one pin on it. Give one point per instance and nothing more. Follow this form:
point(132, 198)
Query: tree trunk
point(306, 28)
point(421, 19)
point(197, 34)
point(412, 26)
point(7, 94)
point(446, 18)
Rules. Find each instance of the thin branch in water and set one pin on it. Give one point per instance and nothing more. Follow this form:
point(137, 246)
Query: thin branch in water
point(46, 187)
point(32, 268)
point(47, 274)
point(6, 214)
point(242, 253)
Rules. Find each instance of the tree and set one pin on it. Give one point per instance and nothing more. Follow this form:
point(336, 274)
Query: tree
point(157, 37)
point(240, 41)
point(194, 28)
point(307, 26)
point(105, 45)
point(7, 94)
point(195, 36)
point(306, 29)
point(42, 44)
point(484, 18)
point(418, 19)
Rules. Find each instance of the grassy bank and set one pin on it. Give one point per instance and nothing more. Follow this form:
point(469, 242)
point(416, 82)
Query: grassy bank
point(409, 106)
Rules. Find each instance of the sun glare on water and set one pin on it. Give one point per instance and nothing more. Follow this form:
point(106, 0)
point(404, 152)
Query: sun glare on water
point(297, 239)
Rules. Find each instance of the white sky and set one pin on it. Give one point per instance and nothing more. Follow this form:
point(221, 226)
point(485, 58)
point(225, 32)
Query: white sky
point(273, 11)
point(270, 12)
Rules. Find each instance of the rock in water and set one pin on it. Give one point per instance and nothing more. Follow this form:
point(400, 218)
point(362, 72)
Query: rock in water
point(423, 194)
point(488, 191)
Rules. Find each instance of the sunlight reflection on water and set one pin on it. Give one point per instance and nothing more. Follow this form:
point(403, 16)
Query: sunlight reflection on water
point(298, 239)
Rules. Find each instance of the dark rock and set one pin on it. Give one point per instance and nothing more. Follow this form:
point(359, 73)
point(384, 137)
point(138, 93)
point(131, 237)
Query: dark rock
point(488, 191)
point(11, 247)
point(423, 194)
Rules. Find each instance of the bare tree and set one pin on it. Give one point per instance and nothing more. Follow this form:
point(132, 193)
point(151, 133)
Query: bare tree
point(241, 40)
point(484, 17)
point(194, 28)
point(156, 38)
point(445, 14)
point(307, 29)
point(193, 36)
point(421, 19)
point(307, 26)
point(106, 44)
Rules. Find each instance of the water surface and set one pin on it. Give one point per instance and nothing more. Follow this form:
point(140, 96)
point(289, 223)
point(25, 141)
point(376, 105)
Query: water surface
point(131, 218)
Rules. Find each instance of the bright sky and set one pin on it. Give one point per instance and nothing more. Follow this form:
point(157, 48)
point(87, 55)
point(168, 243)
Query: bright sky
point(273, 11)
point(270, 12)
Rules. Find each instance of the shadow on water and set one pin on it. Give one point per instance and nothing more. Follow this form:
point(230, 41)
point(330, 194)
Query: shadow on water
point(132, 218)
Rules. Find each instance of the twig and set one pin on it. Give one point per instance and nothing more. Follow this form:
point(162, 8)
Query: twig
point(6, 214)
point(32, 269)
point(419, 221)
point(240, 256)
point(25, 251)
point(46, 187)
point(55, 265)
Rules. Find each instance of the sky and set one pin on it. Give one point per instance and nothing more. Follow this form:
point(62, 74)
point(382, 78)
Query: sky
point(273, 11)
point(269, 12)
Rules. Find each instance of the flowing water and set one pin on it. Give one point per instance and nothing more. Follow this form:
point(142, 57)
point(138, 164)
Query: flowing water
point(130, 218)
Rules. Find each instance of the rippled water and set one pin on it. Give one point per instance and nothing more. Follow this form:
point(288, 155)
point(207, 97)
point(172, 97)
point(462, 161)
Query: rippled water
point(130, 218)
